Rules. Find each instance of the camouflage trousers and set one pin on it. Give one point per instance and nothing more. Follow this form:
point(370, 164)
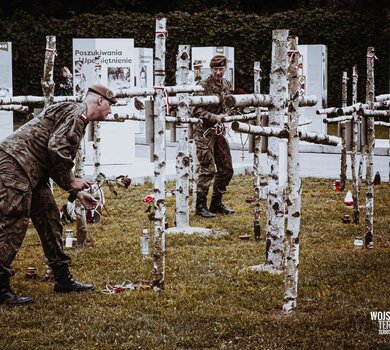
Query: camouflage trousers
point(215, 162)
point(18, 202)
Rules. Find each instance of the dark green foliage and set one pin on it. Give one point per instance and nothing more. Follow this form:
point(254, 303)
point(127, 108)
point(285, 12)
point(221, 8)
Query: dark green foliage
point(347, 35)
point(63, 8)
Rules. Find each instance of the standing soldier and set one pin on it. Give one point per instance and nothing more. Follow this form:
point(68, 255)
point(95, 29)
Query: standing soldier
point(44, 148)
point(212, 148)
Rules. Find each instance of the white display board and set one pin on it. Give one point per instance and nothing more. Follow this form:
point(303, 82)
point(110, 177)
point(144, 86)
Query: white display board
point(6, 118)
point(313, 76)
point(144, 67)
point(110, 62)
point(143, 79)
point(201, 57)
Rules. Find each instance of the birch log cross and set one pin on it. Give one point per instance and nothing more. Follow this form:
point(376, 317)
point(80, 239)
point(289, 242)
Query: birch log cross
point(259, 180)
point(183, 152)
point(289, 247)
point(276, 101)
point(370, 95)
point(294, 187)
point(354, 148)
point(159, 156)
point(367, 112)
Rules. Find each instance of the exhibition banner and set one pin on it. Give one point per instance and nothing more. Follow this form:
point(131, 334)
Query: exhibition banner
point(110, 62)
point(103, 61)
point(6, 118)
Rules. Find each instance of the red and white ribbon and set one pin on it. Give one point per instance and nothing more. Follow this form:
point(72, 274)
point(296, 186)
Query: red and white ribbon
point(48, 49)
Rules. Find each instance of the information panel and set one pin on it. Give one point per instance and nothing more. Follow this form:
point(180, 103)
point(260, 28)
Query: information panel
point(313, 78)
point(6, 118)
point(110, 62)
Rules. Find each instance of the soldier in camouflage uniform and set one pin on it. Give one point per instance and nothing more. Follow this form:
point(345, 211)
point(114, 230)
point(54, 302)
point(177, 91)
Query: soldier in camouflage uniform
point(212, 148)
point(44, 148)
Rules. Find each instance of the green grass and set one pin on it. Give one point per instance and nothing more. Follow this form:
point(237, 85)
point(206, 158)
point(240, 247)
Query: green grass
point(207, 302)
point(380, 131)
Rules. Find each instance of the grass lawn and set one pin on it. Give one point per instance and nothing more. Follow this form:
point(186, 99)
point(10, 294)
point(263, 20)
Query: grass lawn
point(208, 303)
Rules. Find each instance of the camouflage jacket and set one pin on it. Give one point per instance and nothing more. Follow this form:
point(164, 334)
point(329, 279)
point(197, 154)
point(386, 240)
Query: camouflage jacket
point(46, 146)
point(208, 113)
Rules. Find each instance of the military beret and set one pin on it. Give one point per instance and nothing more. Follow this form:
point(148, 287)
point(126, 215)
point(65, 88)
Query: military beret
point(103, 91)
point(218, 61)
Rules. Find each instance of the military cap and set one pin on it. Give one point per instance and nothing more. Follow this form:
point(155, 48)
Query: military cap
point(103, 91)
point(218, 61)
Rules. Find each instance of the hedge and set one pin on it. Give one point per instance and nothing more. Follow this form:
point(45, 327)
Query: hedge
point(347, 35)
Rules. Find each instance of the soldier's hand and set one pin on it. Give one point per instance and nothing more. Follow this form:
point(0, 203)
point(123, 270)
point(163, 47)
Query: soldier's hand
point(79, 184)
point(87, 200)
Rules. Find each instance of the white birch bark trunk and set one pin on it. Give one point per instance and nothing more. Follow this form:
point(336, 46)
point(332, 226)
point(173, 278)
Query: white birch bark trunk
point(36, 101)
point(244, 117)
point(182, 183)
point(275, 200)
point(16, 108)
point(384, 124)
point(319, 138)
point(258, 170)
point(343, 163)
point(258, 100)
point(81, 221)
point(294, 188)
point(371, 113)
point(283, 133)
point(361, 166)
point(96, 149)
point(370, 94)
point(196, 100)
point(159, 156)
point(96, 134)
point(337, 119)
point(47, 84)
point(183, 157)
point(193, 175)
point(330, 112)
point(348, 110)
point(245, 100)
point(384, 97)
point(355, 125)
point(47, 81)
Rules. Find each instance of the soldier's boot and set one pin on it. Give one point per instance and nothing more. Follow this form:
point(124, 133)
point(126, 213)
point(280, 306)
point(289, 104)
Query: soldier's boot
point(216, 205)
point(201, 207)
point(7, 296)
point(65, 283)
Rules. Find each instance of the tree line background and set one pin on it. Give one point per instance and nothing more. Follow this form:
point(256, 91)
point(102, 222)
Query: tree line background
point(347, 28)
